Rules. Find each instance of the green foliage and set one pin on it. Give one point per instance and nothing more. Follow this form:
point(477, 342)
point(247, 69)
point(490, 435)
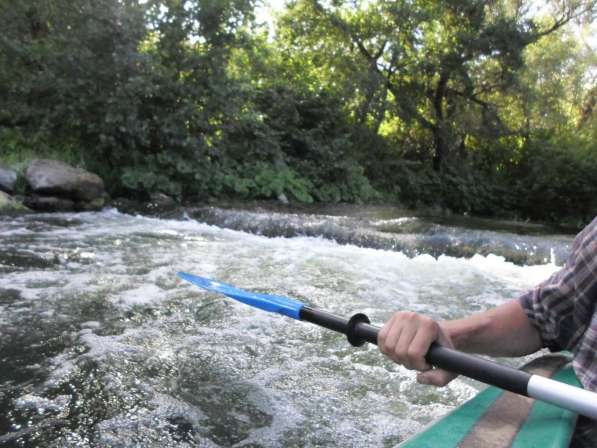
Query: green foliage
point(460, 189)
point(141, 180)
point(353, 101)
point(556, 181)
point(18, 149)
point(271, 182)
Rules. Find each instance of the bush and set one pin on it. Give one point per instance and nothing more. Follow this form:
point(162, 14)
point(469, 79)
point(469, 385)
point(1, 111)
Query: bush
point(556, 182)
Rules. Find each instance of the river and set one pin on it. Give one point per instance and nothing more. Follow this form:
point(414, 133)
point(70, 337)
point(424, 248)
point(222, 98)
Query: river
point(102, 346)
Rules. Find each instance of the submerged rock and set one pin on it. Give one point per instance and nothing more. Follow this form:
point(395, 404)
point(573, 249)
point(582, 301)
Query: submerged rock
point(12, 260)
point(55, 178)
point(283, 199)
point(410, 235)
point(162, 202)
point(9, 296)
point(96, 204)
point(159, 205)
point(8, 180)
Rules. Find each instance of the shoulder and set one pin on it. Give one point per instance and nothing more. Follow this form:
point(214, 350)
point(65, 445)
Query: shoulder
point(593, 223)
point(590, 232)
point(586, 241)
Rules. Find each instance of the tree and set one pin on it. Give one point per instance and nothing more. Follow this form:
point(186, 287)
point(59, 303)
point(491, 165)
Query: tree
point(440, 62)
point(140, 88)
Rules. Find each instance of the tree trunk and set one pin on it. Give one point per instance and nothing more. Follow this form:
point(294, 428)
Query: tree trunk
point(441, 148)
point(439, 135)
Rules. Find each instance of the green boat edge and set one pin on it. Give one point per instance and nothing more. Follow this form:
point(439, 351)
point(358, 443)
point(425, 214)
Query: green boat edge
point(546, 426)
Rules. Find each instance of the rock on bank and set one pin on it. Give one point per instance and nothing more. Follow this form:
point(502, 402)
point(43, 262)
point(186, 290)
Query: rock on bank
point(53, 185)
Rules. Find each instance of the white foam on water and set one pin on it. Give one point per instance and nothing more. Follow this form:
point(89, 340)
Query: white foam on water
point(404, 220)
point(102, 347)
point(17, 231)
point(60, 371)
point(147, 294)
point(42, 405)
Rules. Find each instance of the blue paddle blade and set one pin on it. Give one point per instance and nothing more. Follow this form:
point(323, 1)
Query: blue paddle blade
point(274, 304)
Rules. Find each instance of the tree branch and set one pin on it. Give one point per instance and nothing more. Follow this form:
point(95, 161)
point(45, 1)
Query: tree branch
point(405, 109)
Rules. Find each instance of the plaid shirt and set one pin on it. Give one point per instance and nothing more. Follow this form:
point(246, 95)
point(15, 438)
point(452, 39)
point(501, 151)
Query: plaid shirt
point(562, 308)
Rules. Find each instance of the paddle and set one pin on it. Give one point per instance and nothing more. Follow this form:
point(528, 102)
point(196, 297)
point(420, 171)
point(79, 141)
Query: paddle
point(358, 331)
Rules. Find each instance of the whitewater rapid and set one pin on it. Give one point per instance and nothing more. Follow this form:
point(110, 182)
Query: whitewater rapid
point(102, 344)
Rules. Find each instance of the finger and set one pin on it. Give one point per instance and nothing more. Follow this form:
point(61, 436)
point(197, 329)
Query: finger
point(387, 334)
point(392, 338)
point(436, 377)
point(427, 333)
point(382, 335)
point(402, 347)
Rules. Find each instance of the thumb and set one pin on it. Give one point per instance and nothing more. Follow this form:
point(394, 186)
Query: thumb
point(436, 377)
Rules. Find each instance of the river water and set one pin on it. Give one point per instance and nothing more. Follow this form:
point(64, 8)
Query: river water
point(102, 345)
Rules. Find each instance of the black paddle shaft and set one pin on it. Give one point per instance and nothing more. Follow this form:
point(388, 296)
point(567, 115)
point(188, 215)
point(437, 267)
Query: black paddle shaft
point(359, 330)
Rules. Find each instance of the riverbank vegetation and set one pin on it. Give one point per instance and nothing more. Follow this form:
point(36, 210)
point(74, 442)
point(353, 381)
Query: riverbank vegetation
point(479, 107)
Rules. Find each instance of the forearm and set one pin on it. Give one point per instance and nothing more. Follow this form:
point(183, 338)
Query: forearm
point(501, 331)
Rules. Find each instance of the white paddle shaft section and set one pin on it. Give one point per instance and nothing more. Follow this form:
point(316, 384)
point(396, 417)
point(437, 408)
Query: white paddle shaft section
point(566, 396)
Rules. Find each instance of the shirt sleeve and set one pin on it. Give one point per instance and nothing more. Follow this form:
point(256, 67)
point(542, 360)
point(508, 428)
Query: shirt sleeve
point(561, 307)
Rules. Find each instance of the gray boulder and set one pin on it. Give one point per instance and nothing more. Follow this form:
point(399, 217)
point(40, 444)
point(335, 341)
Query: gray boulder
point(49, 203)
point(161, 201)
point(60, 204)
point(8, 179)
point(90, 206)
point(55, 178)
